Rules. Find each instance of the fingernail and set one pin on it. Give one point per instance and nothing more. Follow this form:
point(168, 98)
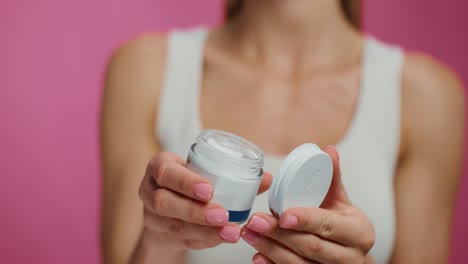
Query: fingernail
point(203, 191)
point(290, 221)
point(259, 260)
point(250, 236)
point(258, 224)
point(217, 216)
point(230, 233)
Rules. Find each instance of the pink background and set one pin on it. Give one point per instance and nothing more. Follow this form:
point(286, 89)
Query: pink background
point(52, 57)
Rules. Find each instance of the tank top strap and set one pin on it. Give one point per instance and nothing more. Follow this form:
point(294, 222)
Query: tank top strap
point(377, 119)
point(176, 125)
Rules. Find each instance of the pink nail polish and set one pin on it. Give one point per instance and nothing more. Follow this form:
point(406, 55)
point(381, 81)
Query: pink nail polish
point(258, 224)
point(217, 216)
point(250, 236)
point(203, 191)
point(290, 222)
point(259, 260)
point(230, 233)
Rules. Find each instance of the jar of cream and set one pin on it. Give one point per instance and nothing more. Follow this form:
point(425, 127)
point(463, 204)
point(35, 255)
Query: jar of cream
point(233, 165)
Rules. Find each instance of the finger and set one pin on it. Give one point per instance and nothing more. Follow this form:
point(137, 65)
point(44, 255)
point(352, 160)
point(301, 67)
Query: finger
point(189, 231)
point(169, 157)
point(350, 230)
point(261, 259)
point(276, 253)
point(198, 244)
point(337, 191)
point(170, 204)
point(305, 244)
point(176, 177)
point(266, 182)
point(148, 184)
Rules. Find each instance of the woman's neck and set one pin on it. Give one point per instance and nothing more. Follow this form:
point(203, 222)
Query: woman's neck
point(287, 34)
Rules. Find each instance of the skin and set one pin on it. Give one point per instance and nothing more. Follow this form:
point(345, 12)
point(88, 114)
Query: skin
point(338, 232)
point(297, 63)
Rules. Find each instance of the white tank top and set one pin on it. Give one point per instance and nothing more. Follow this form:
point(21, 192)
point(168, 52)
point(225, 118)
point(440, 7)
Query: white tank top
point(368, 152)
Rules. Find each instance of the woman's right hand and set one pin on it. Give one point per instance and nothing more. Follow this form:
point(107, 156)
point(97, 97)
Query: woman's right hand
point(178, 213)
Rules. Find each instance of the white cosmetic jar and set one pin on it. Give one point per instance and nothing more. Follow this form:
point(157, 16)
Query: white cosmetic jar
point(233, 165)
point(302, 180)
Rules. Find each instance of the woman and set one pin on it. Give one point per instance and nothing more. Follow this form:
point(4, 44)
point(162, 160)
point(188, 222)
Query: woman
point(281, 73)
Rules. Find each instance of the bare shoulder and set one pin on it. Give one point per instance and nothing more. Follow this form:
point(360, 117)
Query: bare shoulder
point(132, 88)
point(143, 48)
point(424, 78)
point(433, 100)
point(138, 65)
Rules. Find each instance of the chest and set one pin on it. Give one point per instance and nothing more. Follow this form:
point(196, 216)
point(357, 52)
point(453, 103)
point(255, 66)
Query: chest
point(279, 113)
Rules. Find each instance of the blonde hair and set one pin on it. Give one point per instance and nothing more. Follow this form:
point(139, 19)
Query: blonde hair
point(351, 10)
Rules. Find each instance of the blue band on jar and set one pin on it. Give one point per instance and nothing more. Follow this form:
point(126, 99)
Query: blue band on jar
point(238, 216)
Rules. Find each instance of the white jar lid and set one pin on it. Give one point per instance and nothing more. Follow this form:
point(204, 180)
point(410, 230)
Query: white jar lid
point(302, 180)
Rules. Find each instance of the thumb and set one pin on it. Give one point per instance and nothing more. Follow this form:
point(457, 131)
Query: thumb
point(266, 182)
point(336, 193)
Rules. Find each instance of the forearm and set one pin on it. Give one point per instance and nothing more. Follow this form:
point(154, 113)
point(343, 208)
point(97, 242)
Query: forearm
point(150, 250)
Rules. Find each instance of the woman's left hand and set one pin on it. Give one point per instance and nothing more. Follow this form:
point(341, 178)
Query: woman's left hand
point(337, 232)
